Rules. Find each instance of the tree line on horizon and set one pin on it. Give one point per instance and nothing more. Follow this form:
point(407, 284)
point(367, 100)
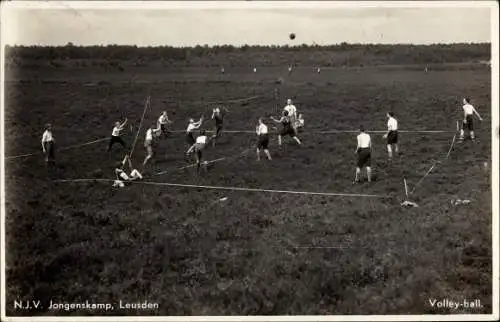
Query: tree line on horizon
point(344, 53)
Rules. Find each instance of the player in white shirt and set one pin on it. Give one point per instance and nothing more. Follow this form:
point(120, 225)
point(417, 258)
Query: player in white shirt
point(392, 134)
point(48, 144)
point(263, 139)
point(151, 133)
point(468, 123)
point(115, 135)
point(163, 123)
point(363, 150)
point(192, 125)
point(288, 128)
point(292, 111)
point(200, 144)
point(121, 175)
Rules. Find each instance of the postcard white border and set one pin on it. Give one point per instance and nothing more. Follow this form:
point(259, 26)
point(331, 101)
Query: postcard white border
point(137, 5)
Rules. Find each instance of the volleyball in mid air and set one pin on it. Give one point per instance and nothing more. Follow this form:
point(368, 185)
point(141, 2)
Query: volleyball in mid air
point(292, 36)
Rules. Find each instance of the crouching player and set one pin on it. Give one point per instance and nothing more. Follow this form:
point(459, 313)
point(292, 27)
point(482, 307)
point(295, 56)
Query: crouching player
point(121, 175)
point(363, 150)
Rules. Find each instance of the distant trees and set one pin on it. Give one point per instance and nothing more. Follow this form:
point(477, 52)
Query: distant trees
point(315, 55)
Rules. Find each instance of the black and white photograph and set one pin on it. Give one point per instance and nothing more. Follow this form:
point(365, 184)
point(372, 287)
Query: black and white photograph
point(249, 160)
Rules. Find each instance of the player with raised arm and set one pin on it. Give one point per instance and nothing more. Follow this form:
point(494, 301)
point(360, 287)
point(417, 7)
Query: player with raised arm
point(287, 129)
point(363, 150)
point(391, 135)
point(151, 133)
point(218, 116)
point(468, 123)
point(163, 123)
point(115, 135)
point(48, 144)
point(192, 125)
point(263, 139)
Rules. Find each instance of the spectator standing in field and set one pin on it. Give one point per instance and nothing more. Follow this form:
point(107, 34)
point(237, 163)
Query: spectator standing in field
point(115, 135)
point(48, 144)
point(163, 124)
point(363, 150)
point(391, 135)
point(292, 111)
point(287, 128)
point(151, 133)
point(468, 123)
point(263, 139)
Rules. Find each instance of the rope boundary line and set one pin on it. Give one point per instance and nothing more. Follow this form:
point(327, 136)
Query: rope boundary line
point(180, 185)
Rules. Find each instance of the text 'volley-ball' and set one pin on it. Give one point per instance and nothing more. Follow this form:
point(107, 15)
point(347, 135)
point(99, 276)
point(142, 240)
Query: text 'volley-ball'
point(292, 36)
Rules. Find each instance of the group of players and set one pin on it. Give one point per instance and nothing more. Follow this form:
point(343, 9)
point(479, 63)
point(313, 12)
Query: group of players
point(291, 125)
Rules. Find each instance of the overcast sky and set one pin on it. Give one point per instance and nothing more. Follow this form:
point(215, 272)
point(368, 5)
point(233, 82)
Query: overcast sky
point(252, 23)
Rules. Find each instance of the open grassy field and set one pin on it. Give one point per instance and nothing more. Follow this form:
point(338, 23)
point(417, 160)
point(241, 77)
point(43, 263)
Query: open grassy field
point(256, 253)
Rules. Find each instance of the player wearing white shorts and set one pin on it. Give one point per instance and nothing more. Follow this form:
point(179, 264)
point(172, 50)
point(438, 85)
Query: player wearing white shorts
point(468, 123)
point(363, 150)
point(190, 140)
point(262, 139)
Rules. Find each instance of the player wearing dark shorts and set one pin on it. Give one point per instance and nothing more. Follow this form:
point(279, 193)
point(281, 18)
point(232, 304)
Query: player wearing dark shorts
point(392, 135)
point(218, 117)
point(163, 124)
point(468, 123)
point(287, 128)
point(198, 147)
point(262, 139)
